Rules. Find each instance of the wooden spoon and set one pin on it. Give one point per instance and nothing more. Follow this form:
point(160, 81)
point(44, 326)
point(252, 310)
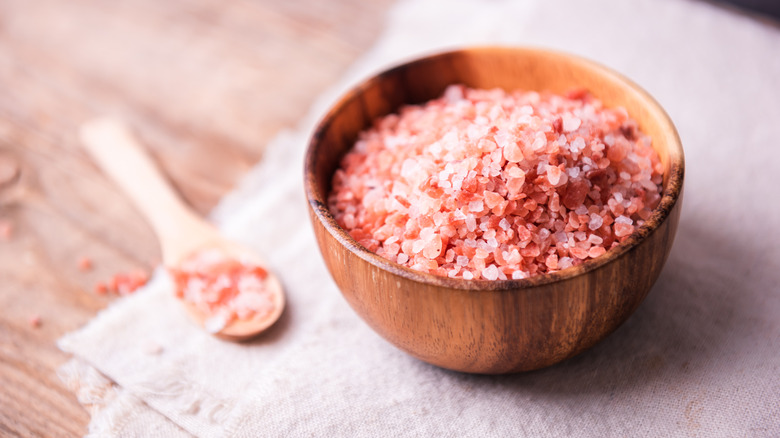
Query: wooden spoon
point(181, 232)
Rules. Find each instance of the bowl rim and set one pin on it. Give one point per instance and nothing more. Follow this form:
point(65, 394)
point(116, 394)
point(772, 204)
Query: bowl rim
point(671, 193)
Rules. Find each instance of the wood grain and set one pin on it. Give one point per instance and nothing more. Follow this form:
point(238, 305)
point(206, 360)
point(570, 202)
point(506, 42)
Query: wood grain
point(205, 83)
point(493, 326)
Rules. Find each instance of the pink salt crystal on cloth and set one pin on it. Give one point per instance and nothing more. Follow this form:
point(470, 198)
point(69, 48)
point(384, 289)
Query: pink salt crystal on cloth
point(34, 321)
point(488, 184)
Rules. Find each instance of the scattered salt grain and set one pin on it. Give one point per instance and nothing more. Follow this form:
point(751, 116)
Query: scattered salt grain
point(84, 263)
point(34, 321)
point(6, 230)
point(122, 283)
point(101, 288)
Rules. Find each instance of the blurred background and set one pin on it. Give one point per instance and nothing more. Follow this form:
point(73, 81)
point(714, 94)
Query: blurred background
point(206, 84)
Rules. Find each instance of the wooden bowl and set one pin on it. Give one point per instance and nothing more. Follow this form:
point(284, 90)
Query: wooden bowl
point(483, 326)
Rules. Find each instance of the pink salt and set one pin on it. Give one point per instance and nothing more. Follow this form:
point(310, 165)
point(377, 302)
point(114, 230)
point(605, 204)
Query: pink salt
point(223, 288)
point(487, 184)
point(6, 230)
point(84, 263)
point(34, 321)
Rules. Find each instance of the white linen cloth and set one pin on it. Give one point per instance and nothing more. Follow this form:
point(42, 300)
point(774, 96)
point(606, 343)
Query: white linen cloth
point(699, 358)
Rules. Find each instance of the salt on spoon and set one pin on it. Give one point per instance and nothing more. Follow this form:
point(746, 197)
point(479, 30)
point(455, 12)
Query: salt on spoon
point(224, 287)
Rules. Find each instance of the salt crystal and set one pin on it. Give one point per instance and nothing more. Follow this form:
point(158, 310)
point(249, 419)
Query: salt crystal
point(578, 144)
point(467, 275)
point(594, 239)
point(553, 175)
point(623, 229)
point(492, 199)
point(6, 230)
point(596, 251)
point(564, 262)
point(513, 257)
point(519, 275)
point(449, 256)
point(471, 223)
point(427, 233)
point(540, 141)
point(454, 93)
point(490, 272)
point(552, 261)
point(596, 221)
point(570, 123)
point(433, 247)
point(648, 184)
point(578, 252)
point(476, 206)
point(457, 182)
point(514, 172)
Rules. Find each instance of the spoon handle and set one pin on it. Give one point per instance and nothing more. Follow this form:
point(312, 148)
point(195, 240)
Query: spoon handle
point(119, 154)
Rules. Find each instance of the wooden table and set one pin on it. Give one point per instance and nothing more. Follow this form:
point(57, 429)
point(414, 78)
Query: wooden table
point(205, 83)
